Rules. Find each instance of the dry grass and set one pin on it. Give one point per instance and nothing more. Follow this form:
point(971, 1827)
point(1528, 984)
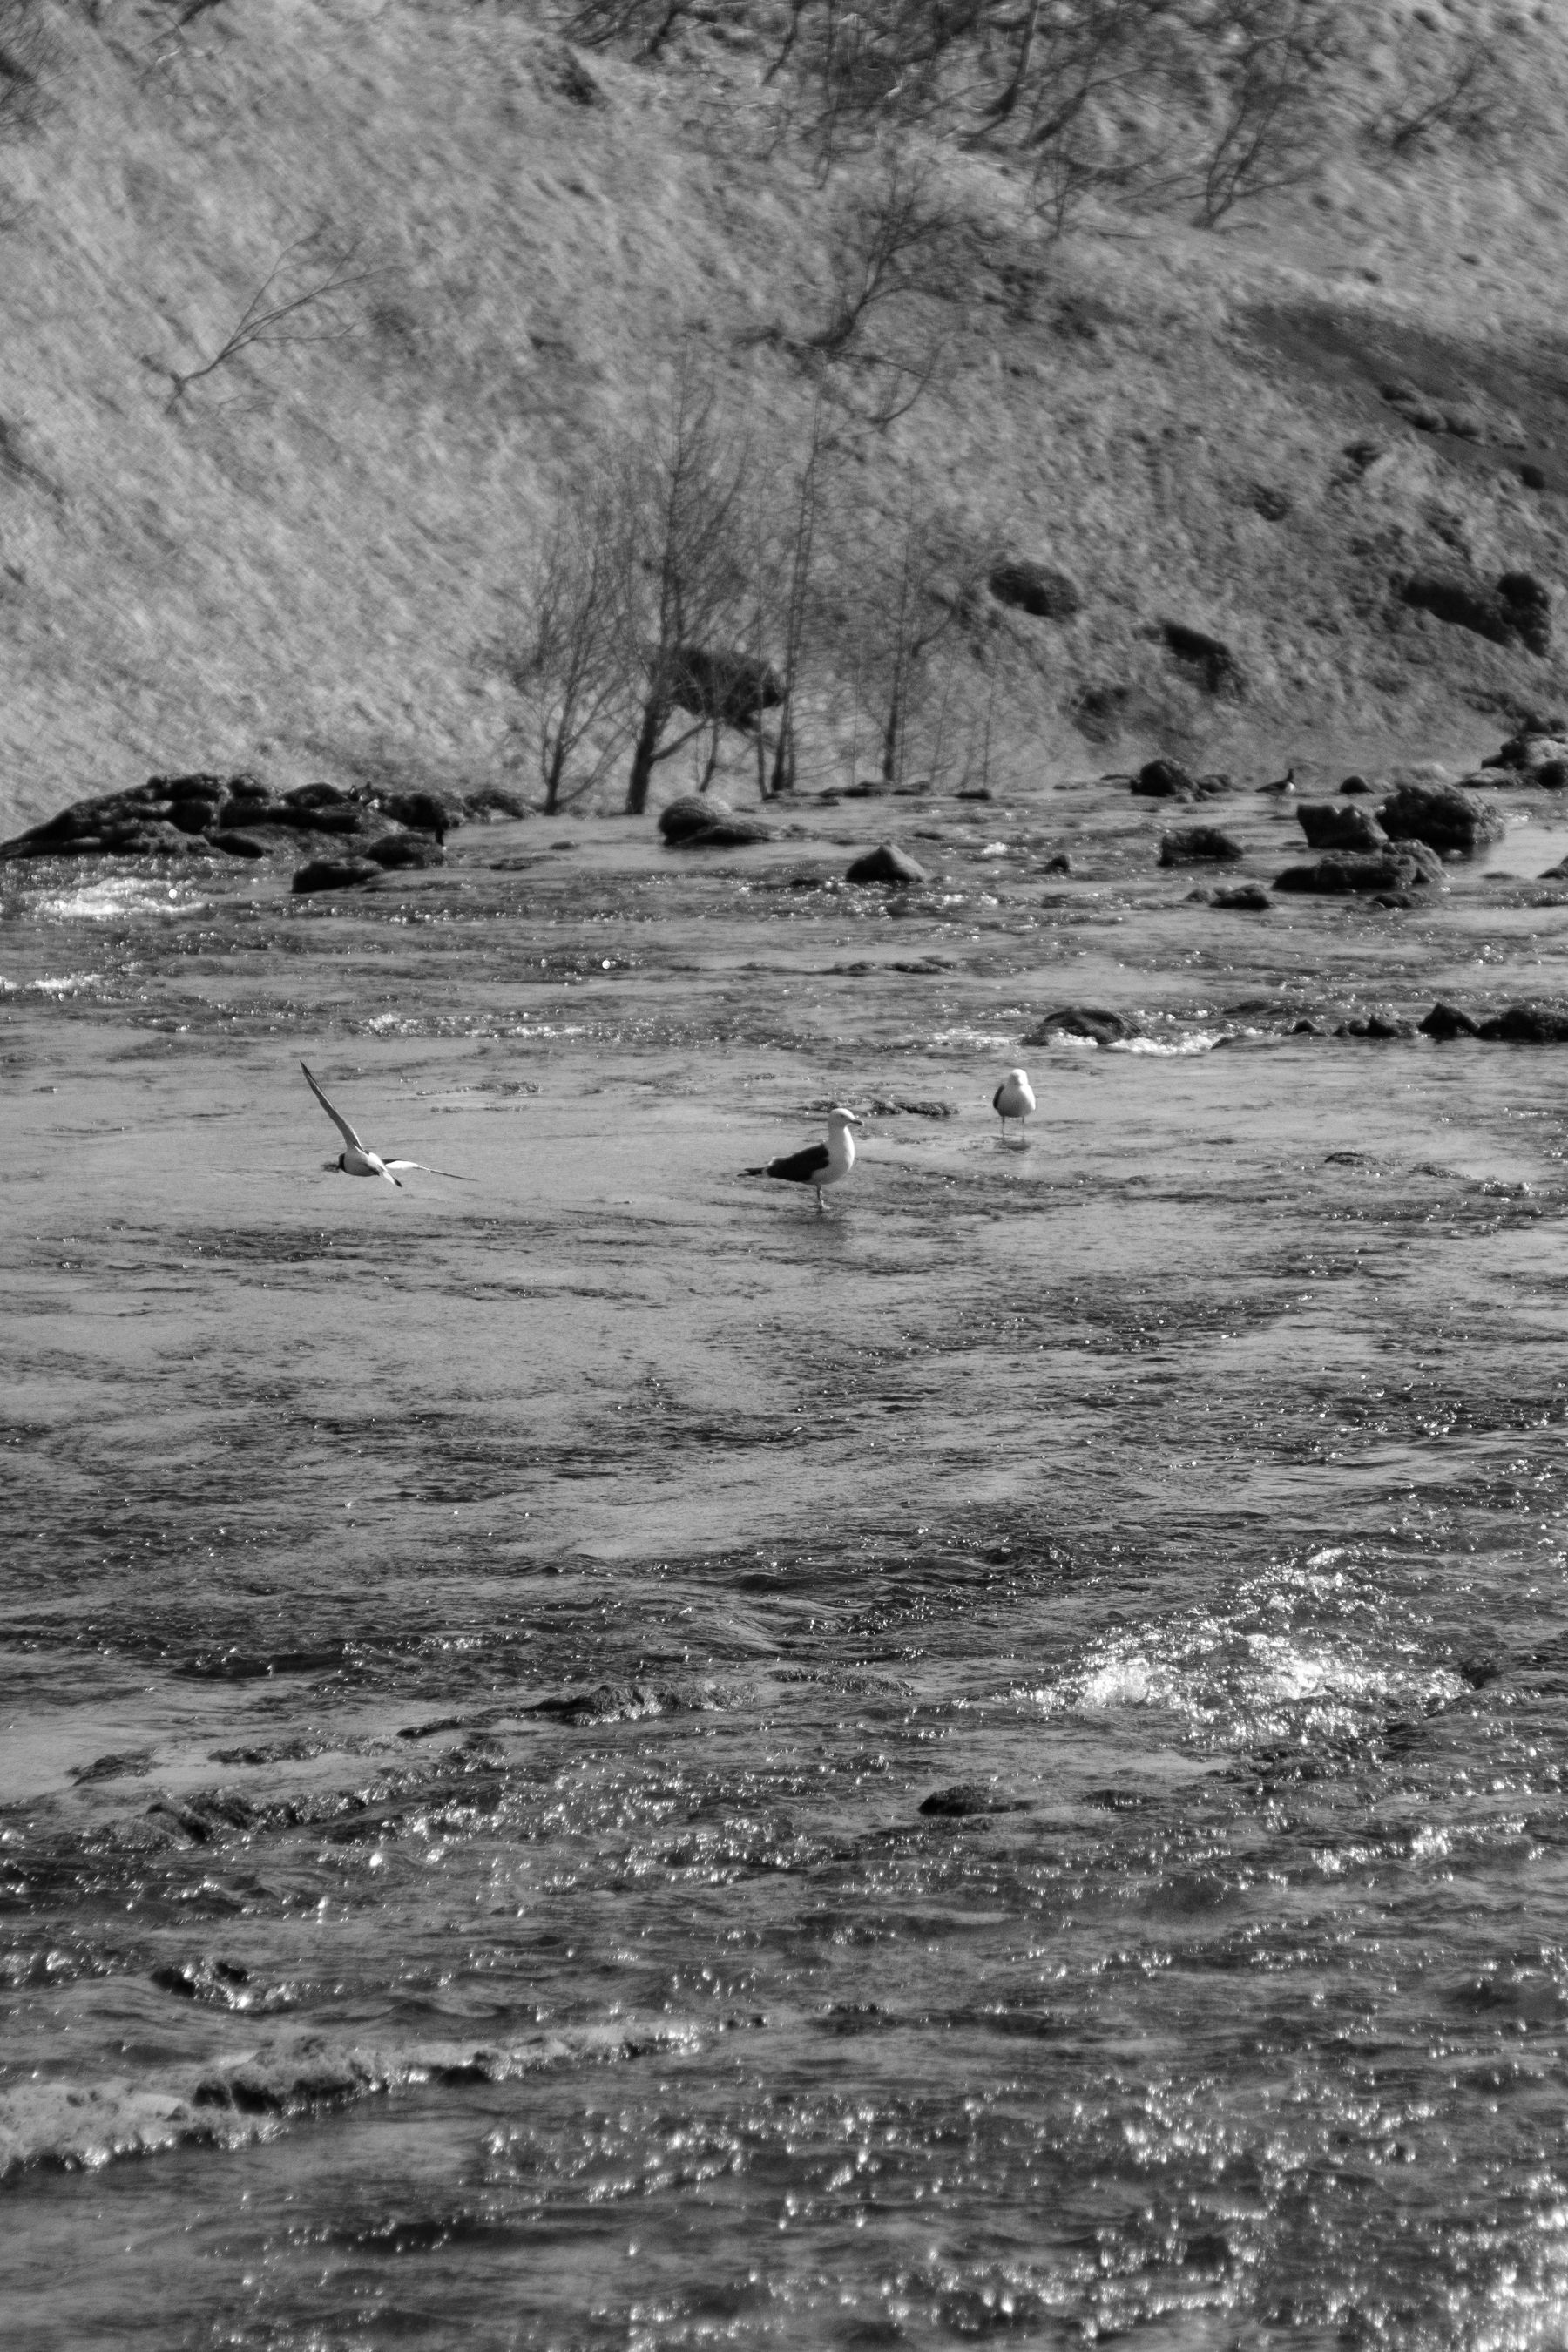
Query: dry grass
point(299, 567)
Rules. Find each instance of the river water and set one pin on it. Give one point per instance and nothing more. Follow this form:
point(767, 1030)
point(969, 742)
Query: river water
point(474, 1660)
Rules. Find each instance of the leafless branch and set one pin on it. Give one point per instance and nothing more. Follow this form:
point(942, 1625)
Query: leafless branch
point(273, 317)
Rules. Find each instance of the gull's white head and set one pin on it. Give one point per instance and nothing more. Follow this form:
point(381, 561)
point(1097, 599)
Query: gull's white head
point(841, 1119)
point(1022, 1076)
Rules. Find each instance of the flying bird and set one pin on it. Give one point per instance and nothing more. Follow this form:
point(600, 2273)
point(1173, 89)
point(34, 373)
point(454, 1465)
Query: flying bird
point(1014, 1098)
point(356, 1161)
point(820, 1163)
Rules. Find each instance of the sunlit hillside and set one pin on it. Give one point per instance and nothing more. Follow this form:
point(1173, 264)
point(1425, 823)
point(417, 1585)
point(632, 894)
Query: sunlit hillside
point(303, 561)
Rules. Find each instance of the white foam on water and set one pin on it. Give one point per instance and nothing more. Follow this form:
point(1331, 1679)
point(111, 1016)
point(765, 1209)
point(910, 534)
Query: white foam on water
point(66, 983)
point(1202, 1041)
point(115, 895)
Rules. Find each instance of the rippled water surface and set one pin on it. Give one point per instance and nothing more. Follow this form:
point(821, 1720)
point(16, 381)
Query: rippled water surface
point(485, 1669)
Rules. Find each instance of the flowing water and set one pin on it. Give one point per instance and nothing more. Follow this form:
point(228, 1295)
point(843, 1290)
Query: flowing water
point(476, 1660)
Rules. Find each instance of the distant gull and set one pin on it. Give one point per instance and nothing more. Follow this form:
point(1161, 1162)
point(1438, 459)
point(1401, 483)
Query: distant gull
point(356, 1161)
point(819, 1163)
point(1014, 1098)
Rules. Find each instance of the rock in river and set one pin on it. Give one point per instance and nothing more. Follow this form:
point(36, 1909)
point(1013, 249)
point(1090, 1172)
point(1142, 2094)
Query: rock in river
point(1198, 845)
point(1093, 1021)
point(1446, 820)
point(1328, 828)
point(1447, 1021)
point(1408, 867)
point(1528, 1025)
point(885, 862)
point(333, 873)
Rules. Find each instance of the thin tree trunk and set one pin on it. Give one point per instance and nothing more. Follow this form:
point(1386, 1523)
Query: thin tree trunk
point(643, 754)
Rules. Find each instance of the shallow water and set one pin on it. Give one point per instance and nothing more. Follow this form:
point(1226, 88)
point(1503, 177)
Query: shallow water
point(473, 1659)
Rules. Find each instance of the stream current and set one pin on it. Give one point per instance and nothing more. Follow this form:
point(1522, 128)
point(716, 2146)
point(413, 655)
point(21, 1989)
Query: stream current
point(484, 1668)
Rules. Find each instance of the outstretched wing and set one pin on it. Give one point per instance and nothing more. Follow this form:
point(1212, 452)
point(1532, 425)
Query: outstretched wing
point(800, 1167)
point(450, 1173)
point(339, 1121)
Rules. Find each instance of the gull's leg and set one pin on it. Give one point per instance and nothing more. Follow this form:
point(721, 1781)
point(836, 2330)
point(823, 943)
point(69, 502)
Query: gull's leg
point(821, 1203)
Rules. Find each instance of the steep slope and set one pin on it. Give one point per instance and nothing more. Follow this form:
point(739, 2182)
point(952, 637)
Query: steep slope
point(302, 565)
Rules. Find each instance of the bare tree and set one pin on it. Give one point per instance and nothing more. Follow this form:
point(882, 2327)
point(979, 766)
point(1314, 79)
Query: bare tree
point(24, 58)
point(911, 598)
point(569, 663)
point(1465, 95)
point(300, 300)
point(893, 242)
point(1277, 55)
point(681, 492)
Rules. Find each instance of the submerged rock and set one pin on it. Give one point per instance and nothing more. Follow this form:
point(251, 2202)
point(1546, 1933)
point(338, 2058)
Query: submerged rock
point(967, 1798)
point(1446, 820)
point(885, 862)
point(1250, 899)
point(1094, 1021)
point(1398, 870)
point(333, 873)
point(1198, 845)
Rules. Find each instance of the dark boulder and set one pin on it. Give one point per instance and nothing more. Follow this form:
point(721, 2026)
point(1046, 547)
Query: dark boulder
point(234, 844)
point(1353, 784)
point(885, 862)
point(1408, 866)
point(201, 787)
point(1328, 828)
point(1164, 780)
point(1445, 819)
point(333, 873)
point(692, 813)
point(1035, 589)
point(1059, 863)
point(307, 797)
point(426, 811)
point(1094, 1021)
point(1447, 1021)
point(1528, 1025)
point(1207, 661)
point(394, 850)
point(1251, 898)
point(1198, 845)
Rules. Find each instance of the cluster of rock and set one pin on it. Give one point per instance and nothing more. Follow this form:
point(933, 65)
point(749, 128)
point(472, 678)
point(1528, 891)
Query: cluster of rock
point(1537, 754)
point(366, 830)
point(1167, 780)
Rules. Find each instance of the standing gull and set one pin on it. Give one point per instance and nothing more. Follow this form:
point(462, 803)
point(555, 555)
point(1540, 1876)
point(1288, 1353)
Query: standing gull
point(819, 1163)
point(1014, 1098)
point(357, 1162)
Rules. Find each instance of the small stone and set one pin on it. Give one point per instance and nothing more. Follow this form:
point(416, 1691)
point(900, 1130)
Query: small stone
point(1355, 785)
point(237, 845)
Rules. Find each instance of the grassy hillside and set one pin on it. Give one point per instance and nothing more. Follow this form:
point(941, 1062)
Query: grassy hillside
point(303, 564)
